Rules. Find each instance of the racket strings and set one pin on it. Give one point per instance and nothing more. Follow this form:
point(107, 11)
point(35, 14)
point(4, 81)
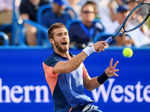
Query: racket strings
point(139, 15)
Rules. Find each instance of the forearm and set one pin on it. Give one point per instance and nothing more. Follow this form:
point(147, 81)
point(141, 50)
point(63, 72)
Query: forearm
point(70, 65)
point(92, 84)
point(73, 63)
point(95, 82)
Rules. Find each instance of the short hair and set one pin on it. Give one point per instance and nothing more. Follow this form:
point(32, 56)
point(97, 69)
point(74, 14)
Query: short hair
point(90, 3)
point(53, 27)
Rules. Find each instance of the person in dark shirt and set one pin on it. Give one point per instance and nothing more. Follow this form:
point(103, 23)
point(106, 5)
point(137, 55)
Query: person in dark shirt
point(56, 14)
point(82, 32)
point(28, 10)
point(66, 75)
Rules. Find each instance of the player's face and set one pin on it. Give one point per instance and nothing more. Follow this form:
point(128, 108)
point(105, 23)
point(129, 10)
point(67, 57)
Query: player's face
point(88, 13)
point(61, 40)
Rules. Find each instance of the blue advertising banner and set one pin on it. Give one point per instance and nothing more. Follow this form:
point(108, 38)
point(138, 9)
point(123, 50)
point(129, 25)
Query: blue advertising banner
point(23, 87)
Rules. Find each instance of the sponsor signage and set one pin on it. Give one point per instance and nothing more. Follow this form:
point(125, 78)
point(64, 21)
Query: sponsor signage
point(23, 86)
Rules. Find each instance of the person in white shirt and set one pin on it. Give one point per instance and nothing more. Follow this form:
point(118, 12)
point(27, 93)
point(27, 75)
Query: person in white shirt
point(74, 4)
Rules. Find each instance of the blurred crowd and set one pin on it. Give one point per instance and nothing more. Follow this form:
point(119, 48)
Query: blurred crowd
point(88, 21)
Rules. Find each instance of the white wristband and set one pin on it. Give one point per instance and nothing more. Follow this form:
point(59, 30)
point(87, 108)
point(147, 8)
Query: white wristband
point(89, 50)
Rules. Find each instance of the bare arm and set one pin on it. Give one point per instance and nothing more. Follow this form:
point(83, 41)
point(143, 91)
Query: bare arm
point(89, 83)
point(70, 65)
point(73, 63)
point(92, 83)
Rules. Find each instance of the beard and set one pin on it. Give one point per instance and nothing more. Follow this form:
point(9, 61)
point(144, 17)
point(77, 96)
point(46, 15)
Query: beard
point(59, 48)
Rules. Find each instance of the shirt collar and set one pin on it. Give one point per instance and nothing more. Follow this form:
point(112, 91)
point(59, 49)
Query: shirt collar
point(62, 56)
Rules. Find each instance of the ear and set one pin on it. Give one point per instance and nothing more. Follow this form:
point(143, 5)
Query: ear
point(51, 41)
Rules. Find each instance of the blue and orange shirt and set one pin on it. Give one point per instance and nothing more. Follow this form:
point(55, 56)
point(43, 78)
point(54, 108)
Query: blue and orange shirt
point(67, 89)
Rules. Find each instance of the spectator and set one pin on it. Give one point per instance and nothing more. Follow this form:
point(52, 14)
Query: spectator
point(141, 35)
point(28, 10)
point(147, 27)
point(74, 4)
point(120, 16)
point(83, 32)
point(5, 12)
point(56, 14)
point(5, 17)
point(138, 38)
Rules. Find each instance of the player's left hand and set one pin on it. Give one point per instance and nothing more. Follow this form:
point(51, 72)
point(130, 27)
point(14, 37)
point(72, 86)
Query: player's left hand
point(111, 69)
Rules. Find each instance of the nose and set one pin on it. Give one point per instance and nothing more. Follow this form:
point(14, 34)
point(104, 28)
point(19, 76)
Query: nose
point(64, 35)
point(64, 38)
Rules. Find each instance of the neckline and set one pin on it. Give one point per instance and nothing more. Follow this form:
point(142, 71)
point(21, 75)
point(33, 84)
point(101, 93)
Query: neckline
point(62, 56)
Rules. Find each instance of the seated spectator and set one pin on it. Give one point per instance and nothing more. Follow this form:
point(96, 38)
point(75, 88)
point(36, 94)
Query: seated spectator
point(83, 32)
point(56, 14)
point(5, 17)
point(121, 14)
point(28, 10)
point(147, 27)
point(140, 36)
point(74, 4)
point(118, 19)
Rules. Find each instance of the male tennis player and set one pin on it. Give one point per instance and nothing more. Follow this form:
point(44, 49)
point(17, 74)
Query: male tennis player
point(66, 75)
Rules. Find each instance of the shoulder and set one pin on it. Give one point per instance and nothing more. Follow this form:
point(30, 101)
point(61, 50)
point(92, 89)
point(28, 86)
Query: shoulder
point(48, 11)
point(75, 24)
point(25, 3)
point(44, 2)
point(51, 60)
point(98, 24)
point(25, 6)
point(66, 15)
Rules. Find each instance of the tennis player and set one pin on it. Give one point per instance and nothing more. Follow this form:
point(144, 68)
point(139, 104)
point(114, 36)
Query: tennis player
point(67, 76)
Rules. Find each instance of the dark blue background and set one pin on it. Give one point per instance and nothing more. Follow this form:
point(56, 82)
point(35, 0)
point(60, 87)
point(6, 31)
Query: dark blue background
point(24, 67)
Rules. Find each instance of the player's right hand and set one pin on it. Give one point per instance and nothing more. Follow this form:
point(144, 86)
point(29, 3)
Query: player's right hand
point(100, 46)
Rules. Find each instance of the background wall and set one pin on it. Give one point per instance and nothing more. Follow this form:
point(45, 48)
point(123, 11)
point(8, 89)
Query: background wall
point(23, 87)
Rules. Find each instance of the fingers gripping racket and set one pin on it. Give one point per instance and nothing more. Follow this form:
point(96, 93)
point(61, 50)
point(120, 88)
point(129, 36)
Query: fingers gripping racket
point(137, 17)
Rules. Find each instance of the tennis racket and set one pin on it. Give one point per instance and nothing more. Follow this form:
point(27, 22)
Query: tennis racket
point(136, 18)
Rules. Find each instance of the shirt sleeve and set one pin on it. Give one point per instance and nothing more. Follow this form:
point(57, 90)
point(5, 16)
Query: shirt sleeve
point(23, 9)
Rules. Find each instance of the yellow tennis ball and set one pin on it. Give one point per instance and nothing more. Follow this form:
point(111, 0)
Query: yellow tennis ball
point(127, 52)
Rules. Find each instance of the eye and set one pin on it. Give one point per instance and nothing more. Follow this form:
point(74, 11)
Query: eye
point(59, 34)
point(66, 33)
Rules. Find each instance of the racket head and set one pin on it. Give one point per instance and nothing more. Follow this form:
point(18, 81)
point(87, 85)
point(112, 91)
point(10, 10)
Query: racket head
point(137, 17)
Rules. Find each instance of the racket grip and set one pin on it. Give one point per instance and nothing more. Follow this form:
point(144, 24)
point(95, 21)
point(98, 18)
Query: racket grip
point(108, 40)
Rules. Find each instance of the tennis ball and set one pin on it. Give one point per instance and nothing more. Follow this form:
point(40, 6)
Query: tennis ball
point(127, 52)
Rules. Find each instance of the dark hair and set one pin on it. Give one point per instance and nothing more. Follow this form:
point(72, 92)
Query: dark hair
point(53, 27)
point(90, 3)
